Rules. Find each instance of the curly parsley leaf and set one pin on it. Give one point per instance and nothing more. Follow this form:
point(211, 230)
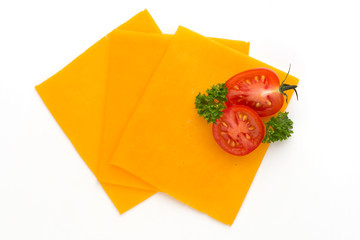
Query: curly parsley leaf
point(278, 128)
point(210, 105)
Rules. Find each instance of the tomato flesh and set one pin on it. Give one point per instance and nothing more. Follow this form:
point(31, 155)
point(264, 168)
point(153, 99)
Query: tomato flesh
point(239, 131)
point(256, 88)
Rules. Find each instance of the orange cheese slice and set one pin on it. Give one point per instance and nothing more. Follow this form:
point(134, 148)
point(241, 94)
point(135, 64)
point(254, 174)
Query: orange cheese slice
point(75, 97)
point(134, 57)
point(169, 146)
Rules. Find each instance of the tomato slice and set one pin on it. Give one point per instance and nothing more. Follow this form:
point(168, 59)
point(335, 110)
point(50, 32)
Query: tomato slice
point(239, 131)
point(258, 89)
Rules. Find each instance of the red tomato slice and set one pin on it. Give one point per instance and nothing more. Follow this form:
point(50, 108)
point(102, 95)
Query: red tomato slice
point(239, 131)
point(258, 89)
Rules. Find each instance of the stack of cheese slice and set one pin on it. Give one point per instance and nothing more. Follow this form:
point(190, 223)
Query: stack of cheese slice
point(127, 106)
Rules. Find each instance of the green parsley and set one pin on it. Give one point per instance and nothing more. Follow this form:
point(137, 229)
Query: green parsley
point(210, 106)
point(278, 128)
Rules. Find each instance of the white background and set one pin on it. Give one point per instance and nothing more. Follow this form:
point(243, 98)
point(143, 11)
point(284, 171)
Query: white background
point(306, 188)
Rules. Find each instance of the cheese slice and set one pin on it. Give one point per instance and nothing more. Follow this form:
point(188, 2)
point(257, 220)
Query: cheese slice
point(75, 97)
point(134, 57)
point(169, 146)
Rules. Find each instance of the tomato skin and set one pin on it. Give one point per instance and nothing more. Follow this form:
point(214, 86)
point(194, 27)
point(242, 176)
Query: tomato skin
point(256, 88)
point(239, 131)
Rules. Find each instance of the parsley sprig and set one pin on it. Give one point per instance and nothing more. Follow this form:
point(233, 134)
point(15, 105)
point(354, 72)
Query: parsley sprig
point(210, 105)
point(278, 128)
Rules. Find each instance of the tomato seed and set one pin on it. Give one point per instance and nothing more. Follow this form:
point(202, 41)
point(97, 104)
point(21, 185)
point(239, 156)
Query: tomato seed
point(224, 134)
